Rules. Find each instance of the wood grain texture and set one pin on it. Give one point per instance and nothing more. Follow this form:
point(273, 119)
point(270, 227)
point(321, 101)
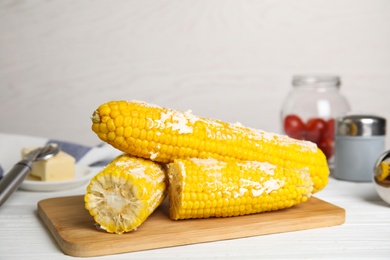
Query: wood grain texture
point(73, 228)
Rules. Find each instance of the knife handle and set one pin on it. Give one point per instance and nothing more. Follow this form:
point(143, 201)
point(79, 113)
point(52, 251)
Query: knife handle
point(13, 179)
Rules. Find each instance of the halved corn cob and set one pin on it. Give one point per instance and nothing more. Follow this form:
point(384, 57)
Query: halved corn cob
point(203, 188)
point(163, 135)
point(125, 193)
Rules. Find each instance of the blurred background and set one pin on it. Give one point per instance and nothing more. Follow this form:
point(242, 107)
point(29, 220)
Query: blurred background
point(225, 59)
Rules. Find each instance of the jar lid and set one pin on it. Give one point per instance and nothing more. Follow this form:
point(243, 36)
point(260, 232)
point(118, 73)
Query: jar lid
point(299, 80)
point(361, 125)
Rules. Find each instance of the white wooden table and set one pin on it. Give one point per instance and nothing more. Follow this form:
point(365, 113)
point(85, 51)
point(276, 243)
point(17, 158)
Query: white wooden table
point(364, 235)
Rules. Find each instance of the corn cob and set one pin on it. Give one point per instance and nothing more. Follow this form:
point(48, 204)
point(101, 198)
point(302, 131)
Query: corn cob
point(125, 193)
point(163, 135)
point(203, 188)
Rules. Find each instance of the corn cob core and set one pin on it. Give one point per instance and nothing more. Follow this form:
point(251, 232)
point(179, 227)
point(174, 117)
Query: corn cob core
point(125, 193)
point(163, 135)
point(203, 188)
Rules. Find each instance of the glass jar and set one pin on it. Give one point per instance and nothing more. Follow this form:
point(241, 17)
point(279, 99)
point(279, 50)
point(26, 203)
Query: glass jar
point(310, 109)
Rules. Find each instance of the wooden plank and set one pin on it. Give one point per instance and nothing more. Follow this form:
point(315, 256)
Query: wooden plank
point(74, 230)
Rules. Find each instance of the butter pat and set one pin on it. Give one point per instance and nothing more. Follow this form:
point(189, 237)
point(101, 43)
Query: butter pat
point(58, 168)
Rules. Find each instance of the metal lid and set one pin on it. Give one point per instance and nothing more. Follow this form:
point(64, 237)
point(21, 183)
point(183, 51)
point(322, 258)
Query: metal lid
point(301, 80)
point(361, 125)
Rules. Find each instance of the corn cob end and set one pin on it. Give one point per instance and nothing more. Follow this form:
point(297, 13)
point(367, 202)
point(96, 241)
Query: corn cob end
point(95, 117)
point(125, 193)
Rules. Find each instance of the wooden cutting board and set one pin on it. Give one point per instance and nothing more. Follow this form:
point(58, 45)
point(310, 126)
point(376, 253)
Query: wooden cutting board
point(74, 230)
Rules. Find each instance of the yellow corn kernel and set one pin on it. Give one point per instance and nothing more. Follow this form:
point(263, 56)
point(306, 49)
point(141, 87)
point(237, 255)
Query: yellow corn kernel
point(125, 193)
point(173, 134)
point(203, 188)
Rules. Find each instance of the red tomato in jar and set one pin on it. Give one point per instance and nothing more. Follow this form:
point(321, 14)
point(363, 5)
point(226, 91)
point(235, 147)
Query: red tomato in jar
point(330, 129)
point(326, 146)
point(315, 129)
point(294, 127)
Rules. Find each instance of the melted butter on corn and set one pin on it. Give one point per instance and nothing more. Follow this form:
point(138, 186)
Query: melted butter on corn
point(182, 123)
point(203, 188)
point(163, 135)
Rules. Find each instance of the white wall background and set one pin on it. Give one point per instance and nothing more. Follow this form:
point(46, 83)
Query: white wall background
point(226, 59)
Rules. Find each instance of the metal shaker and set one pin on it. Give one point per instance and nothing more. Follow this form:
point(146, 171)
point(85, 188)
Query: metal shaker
point(381, 176)
point(359, 141)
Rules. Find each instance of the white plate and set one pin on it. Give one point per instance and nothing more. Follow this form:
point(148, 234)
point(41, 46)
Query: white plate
point(10, 153)
point(82, 175)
